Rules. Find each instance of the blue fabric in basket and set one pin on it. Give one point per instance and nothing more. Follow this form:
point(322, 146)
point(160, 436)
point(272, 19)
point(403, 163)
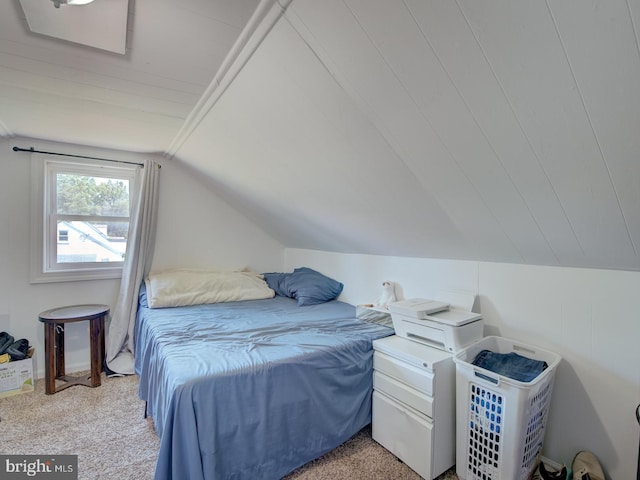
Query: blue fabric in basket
point(511, 365)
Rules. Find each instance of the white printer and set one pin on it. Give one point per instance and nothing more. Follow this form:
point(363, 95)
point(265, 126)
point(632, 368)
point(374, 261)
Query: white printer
point(436, 324)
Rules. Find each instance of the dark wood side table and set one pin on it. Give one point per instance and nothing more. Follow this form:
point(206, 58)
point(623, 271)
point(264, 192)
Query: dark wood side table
point(54, 321)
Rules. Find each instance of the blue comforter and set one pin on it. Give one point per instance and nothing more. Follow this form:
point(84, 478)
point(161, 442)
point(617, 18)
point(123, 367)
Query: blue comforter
point(253, 389)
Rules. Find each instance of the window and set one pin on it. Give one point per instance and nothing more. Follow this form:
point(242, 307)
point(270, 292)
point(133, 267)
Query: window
point(82, 225)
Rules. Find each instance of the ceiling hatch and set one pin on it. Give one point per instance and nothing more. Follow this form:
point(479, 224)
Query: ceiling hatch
point(101, 24)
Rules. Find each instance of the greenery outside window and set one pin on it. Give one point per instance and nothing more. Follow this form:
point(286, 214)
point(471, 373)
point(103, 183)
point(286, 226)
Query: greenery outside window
point(81, 227)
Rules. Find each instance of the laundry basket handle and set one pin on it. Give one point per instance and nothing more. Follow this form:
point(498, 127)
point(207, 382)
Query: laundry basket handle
point(482, 373)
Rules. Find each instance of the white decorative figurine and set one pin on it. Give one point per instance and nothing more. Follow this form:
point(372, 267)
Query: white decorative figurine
point(388, 295)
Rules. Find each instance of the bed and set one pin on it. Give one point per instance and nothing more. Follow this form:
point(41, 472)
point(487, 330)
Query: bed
point(252, 388)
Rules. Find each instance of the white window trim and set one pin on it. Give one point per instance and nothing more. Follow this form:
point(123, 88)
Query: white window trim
point(39, 273)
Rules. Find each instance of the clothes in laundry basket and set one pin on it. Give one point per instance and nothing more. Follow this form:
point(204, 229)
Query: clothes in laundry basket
point(511, 365)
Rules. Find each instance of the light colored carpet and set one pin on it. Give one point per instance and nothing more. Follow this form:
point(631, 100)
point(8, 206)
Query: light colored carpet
point(105, 427)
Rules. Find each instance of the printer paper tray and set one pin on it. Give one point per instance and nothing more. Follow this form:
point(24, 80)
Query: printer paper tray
point(444, 337)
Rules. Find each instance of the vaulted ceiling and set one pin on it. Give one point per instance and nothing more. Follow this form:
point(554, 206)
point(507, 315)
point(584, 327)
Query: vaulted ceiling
point(494, 130)
point(59, 90)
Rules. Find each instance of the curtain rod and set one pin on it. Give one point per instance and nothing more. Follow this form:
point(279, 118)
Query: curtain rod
point(31, 150)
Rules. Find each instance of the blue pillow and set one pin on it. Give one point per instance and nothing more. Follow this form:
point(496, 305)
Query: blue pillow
point(142, 295)
point(305, 285)
point(276, 283)
point(309, 287)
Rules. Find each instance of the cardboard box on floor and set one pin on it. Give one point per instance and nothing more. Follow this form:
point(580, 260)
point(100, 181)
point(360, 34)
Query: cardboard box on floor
point(17, 377)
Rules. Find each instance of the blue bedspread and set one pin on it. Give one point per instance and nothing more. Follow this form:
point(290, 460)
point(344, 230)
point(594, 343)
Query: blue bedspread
point(253, 389)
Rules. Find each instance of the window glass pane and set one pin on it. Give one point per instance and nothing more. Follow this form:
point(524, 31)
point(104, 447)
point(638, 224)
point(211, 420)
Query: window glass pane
point(82, 228)
point(78, 194)
point(92, 241)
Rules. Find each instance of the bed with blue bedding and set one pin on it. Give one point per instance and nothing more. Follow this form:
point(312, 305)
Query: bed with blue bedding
point(254, 388)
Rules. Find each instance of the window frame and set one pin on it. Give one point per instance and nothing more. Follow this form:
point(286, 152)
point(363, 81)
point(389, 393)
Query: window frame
point(44, 235)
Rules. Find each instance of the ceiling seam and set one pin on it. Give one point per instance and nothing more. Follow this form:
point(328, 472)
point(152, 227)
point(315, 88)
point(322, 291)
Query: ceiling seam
point(440, 139)
point(521, 127)
point(356, 104)
point(111, 104)
point(484, 134)
point(263, 20)
point(592, 127)
point(102, 74)
point(100, 87)
point(365, 108)
point(633, 27)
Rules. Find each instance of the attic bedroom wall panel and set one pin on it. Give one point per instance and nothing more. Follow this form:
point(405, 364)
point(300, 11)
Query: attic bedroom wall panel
point(349, 54)
point(287, 136)
point(610, 92)
point(522, 46)
point(542, 193)
point(198, 229)
point(446, 30)
point(408, 52)
point(437, 129)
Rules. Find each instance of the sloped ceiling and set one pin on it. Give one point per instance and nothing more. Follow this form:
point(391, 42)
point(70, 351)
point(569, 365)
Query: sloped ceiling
point(494, 130)
point(59, 90)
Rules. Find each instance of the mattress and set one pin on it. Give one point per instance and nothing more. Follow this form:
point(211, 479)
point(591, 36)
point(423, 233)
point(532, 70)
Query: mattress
point(253, 389)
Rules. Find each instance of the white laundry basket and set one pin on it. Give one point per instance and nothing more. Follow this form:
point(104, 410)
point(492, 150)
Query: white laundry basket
point(500, 422)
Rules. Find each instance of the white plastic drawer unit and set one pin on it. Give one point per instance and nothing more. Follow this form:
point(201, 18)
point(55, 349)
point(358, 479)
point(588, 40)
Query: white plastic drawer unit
point(418, 378)
point(404, 432)
point(414, 404)
point(398, 390)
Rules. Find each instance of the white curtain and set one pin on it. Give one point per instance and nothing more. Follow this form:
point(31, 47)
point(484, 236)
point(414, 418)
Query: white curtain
point(119, 345)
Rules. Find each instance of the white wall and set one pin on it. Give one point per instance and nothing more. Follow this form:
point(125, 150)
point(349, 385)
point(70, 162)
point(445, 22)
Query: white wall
point(588, 316)
point(198, 229)
point(195, 227)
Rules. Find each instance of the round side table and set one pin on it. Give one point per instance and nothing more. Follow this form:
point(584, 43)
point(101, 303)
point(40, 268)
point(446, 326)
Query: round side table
point(54, 321)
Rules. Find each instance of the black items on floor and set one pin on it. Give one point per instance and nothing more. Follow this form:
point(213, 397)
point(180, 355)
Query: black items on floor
point(6, 341)
point(19, 349)
point(15, 349)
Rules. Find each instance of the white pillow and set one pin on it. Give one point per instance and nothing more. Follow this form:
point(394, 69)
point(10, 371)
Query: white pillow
point(189, 286)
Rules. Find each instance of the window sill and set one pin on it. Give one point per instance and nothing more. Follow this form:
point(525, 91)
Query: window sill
point(74, 276)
